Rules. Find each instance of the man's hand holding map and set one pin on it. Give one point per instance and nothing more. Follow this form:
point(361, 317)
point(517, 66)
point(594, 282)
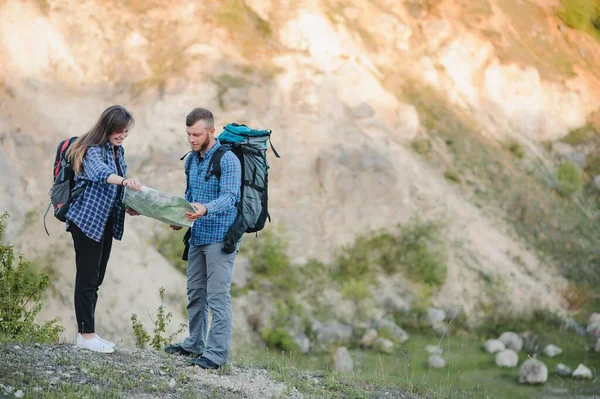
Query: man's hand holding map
point(158, 205)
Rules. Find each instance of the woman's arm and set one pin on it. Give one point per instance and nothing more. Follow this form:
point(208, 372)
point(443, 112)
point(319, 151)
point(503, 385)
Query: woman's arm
point(96, 170)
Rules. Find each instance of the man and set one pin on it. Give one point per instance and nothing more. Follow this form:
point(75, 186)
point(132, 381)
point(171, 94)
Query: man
point(209, 268)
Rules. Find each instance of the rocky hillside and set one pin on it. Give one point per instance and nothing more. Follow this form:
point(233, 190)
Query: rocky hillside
point(448, 110)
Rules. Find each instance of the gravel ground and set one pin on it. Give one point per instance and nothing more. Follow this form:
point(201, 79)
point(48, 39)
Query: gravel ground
point(65, 371)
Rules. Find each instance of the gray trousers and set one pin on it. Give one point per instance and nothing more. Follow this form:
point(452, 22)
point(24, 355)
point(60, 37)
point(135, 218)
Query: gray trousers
point(208, 283)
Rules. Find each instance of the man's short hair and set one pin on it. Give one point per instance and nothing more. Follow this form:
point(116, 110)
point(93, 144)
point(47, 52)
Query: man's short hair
point(198, 114)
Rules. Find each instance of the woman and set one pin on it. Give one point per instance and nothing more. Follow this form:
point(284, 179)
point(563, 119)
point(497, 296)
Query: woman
point(95, 217)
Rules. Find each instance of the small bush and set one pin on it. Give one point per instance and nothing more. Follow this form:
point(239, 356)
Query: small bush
point(452, 175)
point(279, 338)
point(21, 292)
point(276, 336)
point(583, 15)
point(515, 148)
point(355, 291)
point(159, 339)
point(569, 179)
point(270, 262)
point(421, 146)
point(355, 260)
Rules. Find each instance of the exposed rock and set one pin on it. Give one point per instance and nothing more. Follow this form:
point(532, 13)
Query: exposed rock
point(571, 324)
point(436, 362)
point(567, 152)
point(493, 346)
point(399, 334)
point(552, 350)
point(597, 182)
point(434, 349)
point(511, 340)
point(582, 372)
point(593, 330)
point(594, 318)
point(368, 338)
point(533, 371)
point(302, 342)
point(435, 316)
point(333, 332)
point(362, 111)
point(343, 360)
point(562, 370)
point(507, 358)
point(383, 345)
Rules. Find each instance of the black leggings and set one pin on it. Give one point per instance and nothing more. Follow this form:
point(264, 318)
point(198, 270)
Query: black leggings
point(91, 258)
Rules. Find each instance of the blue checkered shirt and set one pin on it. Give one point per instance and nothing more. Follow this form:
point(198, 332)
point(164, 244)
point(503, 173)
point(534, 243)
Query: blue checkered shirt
point(91, 209)
point(220, 196)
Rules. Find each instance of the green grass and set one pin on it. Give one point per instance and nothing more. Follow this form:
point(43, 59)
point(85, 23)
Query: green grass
point(570, 179)
point(470, 371)
point(583, 15)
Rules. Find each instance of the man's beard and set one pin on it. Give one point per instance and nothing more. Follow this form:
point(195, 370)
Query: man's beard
point(204, 145)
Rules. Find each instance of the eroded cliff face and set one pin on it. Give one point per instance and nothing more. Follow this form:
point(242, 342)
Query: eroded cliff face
point(332, 79)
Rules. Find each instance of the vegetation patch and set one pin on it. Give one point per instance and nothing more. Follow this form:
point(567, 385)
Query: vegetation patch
point(569, 178)
point(159, 339)
point(556, 225)
point(583, 15)
point(21, 289)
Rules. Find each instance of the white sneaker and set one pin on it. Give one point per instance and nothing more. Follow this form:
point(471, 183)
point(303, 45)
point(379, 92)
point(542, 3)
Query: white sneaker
point(111, 344)
point(95, 344)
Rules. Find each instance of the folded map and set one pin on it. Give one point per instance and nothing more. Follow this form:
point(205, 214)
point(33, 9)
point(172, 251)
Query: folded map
point(158, 205)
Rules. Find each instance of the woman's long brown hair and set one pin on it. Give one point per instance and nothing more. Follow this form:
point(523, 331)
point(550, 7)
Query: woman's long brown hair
point(114, 119)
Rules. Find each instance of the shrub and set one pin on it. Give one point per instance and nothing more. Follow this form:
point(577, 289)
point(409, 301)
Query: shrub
point(355, 290)
point(279, 338)
point(354, 260)
point(515, 148)
point(21, 292)
point(159, 339)
point(269, 261)
point(276, 336)
point(569, 179)
point(452, 175)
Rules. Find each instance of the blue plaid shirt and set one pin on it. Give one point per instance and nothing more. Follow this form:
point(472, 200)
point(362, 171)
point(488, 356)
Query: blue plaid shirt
point(91, 209)
point(218, 195)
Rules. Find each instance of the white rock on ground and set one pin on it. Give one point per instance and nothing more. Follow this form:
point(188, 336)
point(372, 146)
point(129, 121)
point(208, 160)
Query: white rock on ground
point(533, 371)
point(436, 362)
point(383, 345)
point(511, 340)
point(368, 338)
point(343, 360)
point(552, 350)
point(493, 346)
point(434, 349)
point(562, 370)
point(507, 358)
point(582, 372)
point(594, 318)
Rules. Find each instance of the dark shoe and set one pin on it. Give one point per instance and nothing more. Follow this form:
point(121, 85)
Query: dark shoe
point(177, 349)
point(205, 363)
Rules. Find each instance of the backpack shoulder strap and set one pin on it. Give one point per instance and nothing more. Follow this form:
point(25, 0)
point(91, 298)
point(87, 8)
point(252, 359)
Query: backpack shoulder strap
point(215, 162)
point(188, 165)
